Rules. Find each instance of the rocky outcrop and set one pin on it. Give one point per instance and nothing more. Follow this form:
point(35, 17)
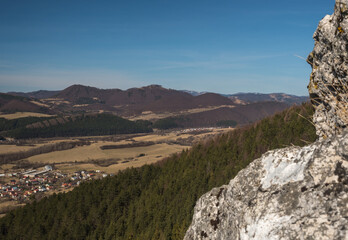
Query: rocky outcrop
point(294, 193)
point(291, 193)
point(328, 85)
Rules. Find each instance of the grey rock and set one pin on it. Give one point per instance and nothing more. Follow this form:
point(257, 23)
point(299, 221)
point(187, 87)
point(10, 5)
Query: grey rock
point(291, 193)
point(328, 86)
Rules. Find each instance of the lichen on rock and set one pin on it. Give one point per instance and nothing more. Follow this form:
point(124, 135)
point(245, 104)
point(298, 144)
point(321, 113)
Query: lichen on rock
point(294, 193)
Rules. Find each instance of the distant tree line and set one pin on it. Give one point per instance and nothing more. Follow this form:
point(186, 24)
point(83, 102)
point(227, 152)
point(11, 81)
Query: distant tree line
point(226, 123)
point(10, 124)
point(181, 121)
point(166, 123)
point(87, 100)
point(83, 125)
point(156, 201)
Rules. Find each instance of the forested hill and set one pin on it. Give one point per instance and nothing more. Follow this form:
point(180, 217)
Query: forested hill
point(80, 125)
point(156, 201)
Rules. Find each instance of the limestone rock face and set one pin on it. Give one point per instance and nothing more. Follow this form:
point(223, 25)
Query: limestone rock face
point(294, 193)
point(328, 85)
point(291, 193)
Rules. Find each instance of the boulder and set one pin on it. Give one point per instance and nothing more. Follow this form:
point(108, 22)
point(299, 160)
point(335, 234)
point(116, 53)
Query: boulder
point(290, 193)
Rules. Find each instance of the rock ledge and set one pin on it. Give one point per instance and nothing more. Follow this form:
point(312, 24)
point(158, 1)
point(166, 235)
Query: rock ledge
point(291, 193)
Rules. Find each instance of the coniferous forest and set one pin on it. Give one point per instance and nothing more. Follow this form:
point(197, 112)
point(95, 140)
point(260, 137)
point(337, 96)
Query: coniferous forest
point(156, 201)
point(6, 124)
point(84, 125)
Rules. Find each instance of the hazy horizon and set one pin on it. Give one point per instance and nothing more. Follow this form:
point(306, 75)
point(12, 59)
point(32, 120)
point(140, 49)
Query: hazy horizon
point(186, 90)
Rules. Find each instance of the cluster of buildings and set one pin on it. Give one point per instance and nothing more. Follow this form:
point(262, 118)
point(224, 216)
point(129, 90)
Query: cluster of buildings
point(24, 185)
point(198, 129)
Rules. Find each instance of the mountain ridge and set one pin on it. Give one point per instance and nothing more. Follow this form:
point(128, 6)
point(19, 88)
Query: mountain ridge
point(245, 97)
point(199, 110)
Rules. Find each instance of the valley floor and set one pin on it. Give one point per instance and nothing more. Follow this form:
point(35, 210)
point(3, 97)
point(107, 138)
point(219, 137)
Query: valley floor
point(102, 156)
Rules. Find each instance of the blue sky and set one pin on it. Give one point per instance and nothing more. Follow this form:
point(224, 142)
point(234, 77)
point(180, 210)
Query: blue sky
point(217, 46)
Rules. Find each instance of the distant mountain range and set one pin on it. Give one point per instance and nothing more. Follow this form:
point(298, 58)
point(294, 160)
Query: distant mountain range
point(245, 98)
point(136, 100)
point(75, 92)
point(41, 94)
point(272, 97)
point(194, 108)
point(133, 101)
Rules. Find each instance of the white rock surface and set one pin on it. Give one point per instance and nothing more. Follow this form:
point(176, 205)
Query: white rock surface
point(292, 193)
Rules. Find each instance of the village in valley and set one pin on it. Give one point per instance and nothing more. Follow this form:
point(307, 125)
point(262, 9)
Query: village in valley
point(45, 173)
point(29, 184)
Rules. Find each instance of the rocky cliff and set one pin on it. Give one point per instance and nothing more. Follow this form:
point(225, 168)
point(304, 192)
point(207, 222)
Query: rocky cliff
point(291, 193)
point(328, 81)
point(294, 193)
